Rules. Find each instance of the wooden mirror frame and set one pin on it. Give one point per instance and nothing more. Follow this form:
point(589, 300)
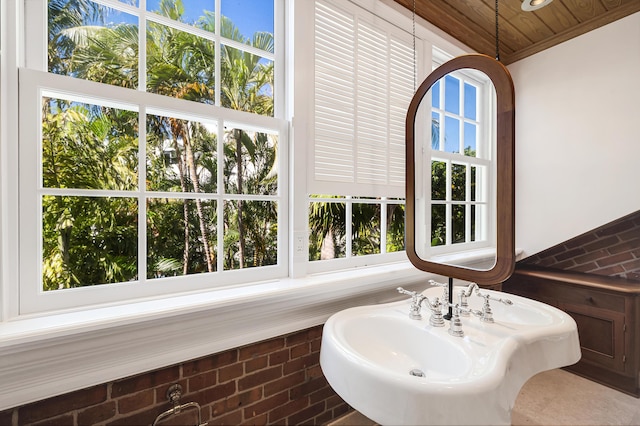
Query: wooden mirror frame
point(505, 170)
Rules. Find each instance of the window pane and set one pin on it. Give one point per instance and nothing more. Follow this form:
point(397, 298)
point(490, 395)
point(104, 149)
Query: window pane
point(438, 224)
point(438, 180)
point(457, 223)
point(87, 146)
point(470, 101)
point(251, 234)
point(365, 227)
point(435, 94)
point(181, 237)
point(250, 16)
point(395, 227)
point(435, 130)
point(470, 139)
point(251, 162)
point(179, 64)
point(200, 13)
point(327, 230)
point(181, 155)
point(88, 241)
point(452, 94)
point(247, 80)
point(451, 135)
point(473, 222)
point(458, 182)
point(93, 42)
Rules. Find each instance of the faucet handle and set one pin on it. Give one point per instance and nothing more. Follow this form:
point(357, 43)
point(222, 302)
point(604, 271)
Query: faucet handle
point(416, 301)
point(436, 283)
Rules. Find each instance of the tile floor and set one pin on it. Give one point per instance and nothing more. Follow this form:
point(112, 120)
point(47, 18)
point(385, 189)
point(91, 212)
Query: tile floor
point(557, 398)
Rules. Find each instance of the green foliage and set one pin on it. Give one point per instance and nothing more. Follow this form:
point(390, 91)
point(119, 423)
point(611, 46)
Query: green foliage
point(89, 240)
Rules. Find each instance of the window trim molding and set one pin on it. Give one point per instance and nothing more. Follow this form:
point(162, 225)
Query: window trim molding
point(50, 355)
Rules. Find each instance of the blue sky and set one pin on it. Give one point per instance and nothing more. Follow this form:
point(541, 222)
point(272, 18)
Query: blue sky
point(248, 15)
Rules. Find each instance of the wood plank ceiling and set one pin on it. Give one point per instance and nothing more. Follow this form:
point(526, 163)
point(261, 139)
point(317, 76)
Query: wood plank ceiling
point(521, 33)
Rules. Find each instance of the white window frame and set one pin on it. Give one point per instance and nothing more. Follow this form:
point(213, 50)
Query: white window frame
point(57, 352)
point(36, 83)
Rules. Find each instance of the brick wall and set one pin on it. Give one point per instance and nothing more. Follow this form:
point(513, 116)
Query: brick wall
point(276, 381)
point(611, 250)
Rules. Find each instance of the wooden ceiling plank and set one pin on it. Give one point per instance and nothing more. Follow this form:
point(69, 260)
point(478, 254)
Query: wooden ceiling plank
point(457, 25)
point(584, 10)
point(575, 31)
point(530, 25)
point(556, 16)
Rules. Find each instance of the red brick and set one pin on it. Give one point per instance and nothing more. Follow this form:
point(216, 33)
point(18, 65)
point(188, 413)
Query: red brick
point(236, 401)
point(301, 363)
point(569, 254)
point(260, 377)
point(64, 420)
point(306, 414)
point(6, 417)
point(230, 372)
point(307, 387)
point(609, 271)
point(314, 372)
point(300, 350)
point(334, 401)
point(340, 409)
point(612, 260)
point(304, 336)
point(591, 256)
point(266, 405)
point(145, 381)
point(215, 393)
point(602, 243)
point(315, 345)
point(142, 418)
point(256, 363)
point(279, 357)
point(202, 381)
point(231, 419)
point(321, 394)
point(324, 418)
point(55, 406)
point(261, 348)
point(287, 382)
point(136, 401)
point(258, 420)
point(97, 413)
point(283, 411)
point(198, 366)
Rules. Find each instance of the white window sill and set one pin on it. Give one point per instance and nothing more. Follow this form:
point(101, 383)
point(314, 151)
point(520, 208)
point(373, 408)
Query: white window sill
point(51, 355)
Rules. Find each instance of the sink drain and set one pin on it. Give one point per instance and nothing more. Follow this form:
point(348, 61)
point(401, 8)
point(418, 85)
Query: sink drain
point(416, 372)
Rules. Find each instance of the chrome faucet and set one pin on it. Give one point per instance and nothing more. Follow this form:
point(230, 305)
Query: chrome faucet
point(417, 299)
point(486, 314)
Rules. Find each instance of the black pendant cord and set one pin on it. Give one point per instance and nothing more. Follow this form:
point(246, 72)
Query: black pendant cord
point(449, 314)
point(497, 35)
point(415, 71)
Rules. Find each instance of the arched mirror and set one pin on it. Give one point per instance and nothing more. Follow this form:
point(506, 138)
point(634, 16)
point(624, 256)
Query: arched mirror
point(460, 174)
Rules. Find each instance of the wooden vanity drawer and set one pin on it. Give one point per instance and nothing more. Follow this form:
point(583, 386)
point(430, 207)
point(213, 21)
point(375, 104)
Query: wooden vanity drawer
point(589, 297)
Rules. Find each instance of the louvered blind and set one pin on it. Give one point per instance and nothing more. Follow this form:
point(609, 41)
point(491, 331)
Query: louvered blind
point(363, 83)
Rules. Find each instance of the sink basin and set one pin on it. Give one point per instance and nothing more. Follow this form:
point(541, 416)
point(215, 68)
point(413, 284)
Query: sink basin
point(396, 370)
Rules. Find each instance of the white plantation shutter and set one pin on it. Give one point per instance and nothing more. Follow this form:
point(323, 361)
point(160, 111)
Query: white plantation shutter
point(363, 83)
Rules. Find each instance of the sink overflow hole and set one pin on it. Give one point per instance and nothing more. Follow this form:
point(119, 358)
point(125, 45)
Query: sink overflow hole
point(416, 372)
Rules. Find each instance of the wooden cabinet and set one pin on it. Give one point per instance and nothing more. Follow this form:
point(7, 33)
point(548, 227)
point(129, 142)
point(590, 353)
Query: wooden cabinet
point(607, 312)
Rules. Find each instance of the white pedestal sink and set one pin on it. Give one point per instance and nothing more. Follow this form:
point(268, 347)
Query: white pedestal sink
point(396, 370)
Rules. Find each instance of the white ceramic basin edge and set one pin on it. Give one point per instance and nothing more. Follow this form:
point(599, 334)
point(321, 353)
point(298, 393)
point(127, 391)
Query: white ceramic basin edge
point(368, 354)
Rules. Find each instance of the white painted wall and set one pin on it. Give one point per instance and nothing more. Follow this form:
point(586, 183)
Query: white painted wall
point(577, 135)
